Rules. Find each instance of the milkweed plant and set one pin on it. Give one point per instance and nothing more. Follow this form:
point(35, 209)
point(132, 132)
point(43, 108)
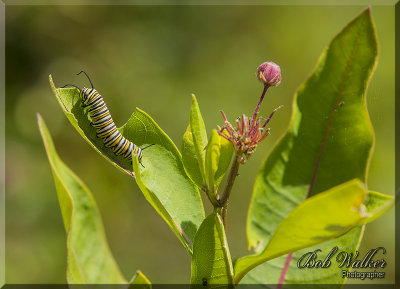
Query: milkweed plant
point(310, 193)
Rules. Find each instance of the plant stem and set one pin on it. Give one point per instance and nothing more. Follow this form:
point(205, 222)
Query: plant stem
point(225, 197)
point(258, 105)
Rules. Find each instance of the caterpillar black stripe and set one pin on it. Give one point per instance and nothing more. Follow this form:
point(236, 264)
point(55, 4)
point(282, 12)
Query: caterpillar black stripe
point(105, 127)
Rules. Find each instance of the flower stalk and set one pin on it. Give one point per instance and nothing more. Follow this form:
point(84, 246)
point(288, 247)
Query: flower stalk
point(259, 103)
point(248, 133)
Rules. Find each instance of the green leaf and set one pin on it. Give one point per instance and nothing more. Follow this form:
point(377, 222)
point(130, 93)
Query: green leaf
point(272, 269)
point(322, 217)
point(219, 154)
point(70, 102)
point(212, 159)
point(185, 229)
point(139, 281)
point(328, 142)
point(194, 144)
point(375, 205)
point(178, 199)
point(163, 180)
point(225, 158)
point(211, 261)
point(89, 259)
point(189, 158)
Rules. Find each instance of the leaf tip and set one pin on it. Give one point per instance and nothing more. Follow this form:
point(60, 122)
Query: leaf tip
point(52, 85)
point(39, 120)
point(367, 12)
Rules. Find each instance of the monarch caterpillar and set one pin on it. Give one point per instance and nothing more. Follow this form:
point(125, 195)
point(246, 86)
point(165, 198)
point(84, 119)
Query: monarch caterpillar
point(105, 127)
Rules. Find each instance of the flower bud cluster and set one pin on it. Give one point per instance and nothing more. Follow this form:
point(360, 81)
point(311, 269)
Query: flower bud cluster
point(249, 132)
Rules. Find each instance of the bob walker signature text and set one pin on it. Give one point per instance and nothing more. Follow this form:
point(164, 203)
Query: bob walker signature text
point(344, 259)
point(371, 260)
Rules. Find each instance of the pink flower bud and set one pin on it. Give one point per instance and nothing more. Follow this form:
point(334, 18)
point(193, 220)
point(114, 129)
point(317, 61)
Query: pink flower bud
point(269, 73)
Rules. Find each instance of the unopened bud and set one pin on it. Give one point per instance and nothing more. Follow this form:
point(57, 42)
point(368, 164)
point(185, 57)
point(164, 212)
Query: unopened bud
point(269, 73)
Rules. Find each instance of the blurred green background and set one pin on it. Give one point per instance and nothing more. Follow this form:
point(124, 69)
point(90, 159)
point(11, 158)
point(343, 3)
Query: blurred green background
point(154, 57)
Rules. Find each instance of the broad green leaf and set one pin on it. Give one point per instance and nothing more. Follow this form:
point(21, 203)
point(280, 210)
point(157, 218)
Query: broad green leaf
point(161, 208)
point(322, 217)
point(195, 140)
point(164, 174)
point(70, 102)
point(190, 160)
point(163, 180)
point(89, 259)
point(328, 142)
point(376, 204)
point(219, 154)
point(139, 281)
point(211, 260)
point(271, 270)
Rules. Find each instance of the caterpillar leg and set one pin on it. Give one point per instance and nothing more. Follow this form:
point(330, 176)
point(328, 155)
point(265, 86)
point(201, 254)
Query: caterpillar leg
point(139, 163)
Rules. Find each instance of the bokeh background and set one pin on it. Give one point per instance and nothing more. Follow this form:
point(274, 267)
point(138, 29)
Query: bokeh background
point(154, 57)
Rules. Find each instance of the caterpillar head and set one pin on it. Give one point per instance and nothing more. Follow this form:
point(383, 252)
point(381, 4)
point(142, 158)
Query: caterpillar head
point(85, 92)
